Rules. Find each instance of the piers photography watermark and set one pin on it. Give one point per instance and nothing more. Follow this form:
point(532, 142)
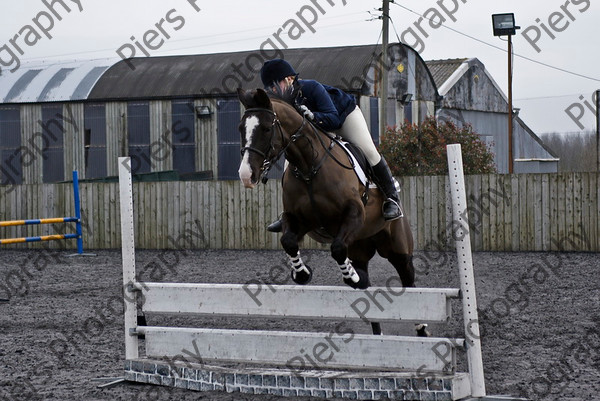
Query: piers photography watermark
point(155, 37)
point(52, 12)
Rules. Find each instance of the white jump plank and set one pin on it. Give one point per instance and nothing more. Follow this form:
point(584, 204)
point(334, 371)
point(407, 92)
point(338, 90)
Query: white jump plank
point(315, 302)
point(342, 349)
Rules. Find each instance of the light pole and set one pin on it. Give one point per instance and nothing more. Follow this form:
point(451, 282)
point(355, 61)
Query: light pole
point(384, 76)
point(504, 24)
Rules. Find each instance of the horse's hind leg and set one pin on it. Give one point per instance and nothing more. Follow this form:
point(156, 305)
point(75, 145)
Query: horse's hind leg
point(404, 266)
point(361, 252)
point(301, 273)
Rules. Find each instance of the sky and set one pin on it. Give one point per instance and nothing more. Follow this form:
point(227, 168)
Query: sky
point(556, 60)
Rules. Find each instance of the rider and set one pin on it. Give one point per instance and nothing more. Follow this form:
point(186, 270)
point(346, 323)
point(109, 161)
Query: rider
point(333, 110)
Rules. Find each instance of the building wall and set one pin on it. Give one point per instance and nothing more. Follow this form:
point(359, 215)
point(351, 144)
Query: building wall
point(475, 90)
point(206, 138)
point(116, 135)
point(60, 128)
point(31, 137)
point(216, 146)
point(493, 130)
point(491, 127)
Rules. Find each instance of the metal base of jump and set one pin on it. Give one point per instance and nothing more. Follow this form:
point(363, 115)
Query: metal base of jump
point(311, 383)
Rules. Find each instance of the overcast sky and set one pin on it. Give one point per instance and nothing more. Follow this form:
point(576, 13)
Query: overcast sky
point(566, 36)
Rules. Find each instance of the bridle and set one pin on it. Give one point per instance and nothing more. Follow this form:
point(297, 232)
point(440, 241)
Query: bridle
point(269, 158)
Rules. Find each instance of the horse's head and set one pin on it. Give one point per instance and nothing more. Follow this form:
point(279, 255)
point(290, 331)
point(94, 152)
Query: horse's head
point(260, 142)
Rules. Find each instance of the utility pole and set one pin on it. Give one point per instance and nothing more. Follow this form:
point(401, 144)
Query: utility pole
point(384, 73)
point(510, 107)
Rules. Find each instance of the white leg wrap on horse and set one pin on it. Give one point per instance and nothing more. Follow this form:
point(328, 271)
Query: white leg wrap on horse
point(297, 264)
point(348, 271)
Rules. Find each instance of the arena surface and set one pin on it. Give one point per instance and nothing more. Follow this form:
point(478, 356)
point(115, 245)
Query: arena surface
point(540, 323)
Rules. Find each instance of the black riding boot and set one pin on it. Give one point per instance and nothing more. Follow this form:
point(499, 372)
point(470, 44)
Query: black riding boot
point(385, 182)
point(275, 227)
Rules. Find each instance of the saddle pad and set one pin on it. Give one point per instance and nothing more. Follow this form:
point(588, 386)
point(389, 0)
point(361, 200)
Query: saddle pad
point(359, 167)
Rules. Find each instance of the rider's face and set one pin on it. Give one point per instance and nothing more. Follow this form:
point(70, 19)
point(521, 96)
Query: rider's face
point(285, 83)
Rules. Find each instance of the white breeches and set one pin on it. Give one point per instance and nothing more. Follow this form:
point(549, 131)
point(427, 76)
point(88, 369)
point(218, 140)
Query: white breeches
point(356, 131)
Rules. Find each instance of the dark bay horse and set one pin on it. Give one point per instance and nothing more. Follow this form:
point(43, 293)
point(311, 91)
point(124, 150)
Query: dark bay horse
point(322, 197)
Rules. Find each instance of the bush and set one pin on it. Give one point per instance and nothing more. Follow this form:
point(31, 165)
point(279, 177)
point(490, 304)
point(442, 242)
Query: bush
point(421, 149)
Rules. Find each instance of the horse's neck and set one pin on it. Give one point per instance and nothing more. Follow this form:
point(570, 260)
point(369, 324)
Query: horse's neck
point(303, 151)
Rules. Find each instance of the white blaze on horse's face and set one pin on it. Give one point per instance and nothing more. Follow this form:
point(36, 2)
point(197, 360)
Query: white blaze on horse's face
point(245, 170)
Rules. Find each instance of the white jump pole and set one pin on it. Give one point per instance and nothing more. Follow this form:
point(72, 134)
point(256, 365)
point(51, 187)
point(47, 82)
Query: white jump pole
point(465, 264)
point(128, 255)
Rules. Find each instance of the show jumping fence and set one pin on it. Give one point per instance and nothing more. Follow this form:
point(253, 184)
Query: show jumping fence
point(374, 366)
point(52, 220)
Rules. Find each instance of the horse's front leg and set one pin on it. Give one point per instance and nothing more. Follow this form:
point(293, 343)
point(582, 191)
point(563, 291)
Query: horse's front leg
point(301, 273)
point(352, 220)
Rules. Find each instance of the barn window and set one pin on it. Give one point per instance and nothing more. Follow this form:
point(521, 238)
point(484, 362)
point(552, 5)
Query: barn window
point(138, 132)
point(228, 117)
point(408, 112)
point(10, 146)
point(184, 143)
point(52, 130)
point(95, 140)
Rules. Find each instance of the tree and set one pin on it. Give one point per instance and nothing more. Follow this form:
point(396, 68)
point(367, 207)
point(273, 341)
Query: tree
point(413, 149)
point(577, 151)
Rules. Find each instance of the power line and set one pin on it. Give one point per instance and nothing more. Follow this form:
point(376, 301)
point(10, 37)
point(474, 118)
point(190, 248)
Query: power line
point(244, 31)
point(503, 50)
point(547, 97)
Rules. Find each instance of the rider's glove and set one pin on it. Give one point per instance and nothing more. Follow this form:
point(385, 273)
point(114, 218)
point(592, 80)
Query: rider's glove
point(307, 113)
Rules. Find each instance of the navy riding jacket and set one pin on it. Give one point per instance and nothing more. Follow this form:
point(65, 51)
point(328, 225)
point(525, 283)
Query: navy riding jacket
point(329, 105)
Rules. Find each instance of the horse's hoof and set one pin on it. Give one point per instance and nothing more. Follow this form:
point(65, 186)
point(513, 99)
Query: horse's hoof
point(302, 277)
point(363, 282)
point(422, 330)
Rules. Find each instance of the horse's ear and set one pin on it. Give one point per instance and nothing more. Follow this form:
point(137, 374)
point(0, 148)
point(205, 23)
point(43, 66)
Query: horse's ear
point(262, 99)
point(245, 97)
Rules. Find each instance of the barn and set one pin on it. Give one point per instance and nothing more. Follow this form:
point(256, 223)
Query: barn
point(471, 95)
point(177, 116)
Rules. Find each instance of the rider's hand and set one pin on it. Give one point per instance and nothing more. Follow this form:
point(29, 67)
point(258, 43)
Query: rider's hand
point(307, 113)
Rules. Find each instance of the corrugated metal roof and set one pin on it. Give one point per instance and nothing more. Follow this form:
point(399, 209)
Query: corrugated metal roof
point(51, 82)
point(441, 70)
point(186, 75)
point(223, 73)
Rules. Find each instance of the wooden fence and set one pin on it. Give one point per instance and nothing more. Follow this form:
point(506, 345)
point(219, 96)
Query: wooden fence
point(521, 212)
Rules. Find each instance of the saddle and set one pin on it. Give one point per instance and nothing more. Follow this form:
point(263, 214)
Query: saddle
point(357, 158)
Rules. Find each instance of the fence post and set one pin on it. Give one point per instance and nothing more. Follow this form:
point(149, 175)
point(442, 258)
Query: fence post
point(77, 212)
point(128, 254)
point(460, 227)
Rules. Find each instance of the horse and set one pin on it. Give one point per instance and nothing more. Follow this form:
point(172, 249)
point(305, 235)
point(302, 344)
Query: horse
point(322, 195)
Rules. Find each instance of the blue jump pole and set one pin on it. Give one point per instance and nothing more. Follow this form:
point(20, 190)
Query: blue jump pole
point(77, 212)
